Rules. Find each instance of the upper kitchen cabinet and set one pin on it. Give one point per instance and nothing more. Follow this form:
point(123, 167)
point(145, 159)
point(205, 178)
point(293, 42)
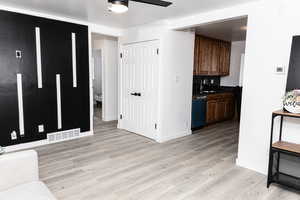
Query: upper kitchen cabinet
point(224, 59)
point(212, 57)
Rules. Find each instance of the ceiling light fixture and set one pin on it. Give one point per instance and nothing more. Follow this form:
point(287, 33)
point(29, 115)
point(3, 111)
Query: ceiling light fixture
point(118, 6)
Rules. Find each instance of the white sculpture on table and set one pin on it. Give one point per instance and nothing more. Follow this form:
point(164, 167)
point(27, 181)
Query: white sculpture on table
point(291, 101)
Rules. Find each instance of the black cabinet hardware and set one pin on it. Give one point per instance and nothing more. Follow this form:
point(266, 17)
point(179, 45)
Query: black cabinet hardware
point(136, 94)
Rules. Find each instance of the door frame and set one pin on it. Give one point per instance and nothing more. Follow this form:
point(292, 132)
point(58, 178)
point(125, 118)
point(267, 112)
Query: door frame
point(102, 79)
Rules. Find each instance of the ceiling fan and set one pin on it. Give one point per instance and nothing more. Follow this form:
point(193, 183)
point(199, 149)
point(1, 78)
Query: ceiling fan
point(121, 6)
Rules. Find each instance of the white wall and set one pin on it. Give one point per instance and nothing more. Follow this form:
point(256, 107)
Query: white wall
point(175, 77)
point(109, 48)
point(270, 31)
point(176, 80)
point(97, 58)
point(237, 49)
point(110, 76)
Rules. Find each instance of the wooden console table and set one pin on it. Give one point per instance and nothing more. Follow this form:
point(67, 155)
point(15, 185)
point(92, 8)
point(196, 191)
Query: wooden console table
point(282, 147)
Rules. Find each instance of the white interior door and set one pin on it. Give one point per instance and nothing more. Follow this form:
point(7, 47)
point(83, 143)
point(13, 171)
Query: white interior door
point(139, 87)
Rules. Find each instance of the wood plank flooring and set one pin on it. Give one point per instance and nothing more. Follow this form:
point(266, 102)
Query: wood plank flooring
point(118, 165)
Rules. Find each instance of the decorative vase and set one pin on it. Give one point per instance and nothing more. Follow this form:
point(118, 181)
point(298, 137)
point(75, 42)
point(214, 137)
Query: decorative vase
point(291, 101)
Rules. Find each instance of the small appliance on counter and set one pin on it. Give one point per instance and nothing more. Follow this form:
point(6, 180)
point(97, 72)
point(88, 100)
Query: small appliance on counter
point(202, 86)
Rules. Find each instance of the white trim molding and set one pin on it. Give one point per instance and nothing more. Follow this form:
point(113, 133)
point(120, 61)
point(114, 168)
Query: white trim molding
point(20, 104)
point(167, 137)
point(74, 64)
point(91, 89)
point(58, 100)
point(38, 57)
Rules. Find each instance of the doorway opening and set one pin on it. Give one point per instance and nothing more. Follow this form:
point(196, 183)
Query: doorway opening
point(218, 75)
point(105, 78)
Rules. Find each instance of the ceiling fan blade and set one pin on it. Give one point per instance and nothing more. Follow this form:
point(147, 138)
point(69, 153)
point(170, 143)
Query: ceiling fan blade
point(154, 2)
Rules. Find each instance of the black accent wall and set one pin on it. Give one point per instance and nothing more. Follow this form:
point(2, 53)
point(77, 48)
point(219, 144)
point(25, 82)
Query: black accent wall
point(17, 32)
point(293, 81)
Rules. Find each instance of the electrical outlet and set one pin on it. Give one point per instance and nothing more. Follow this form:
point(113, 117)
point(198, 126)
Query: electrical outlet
point(41, 128)
point(18, 54)
point(13, 135)
point(280, 70)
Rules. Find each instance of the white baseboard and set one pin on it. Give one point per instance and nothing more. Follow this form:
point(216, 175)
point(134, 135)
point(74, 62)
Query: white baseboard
point(119, 125)
point(110, 118)
point(248, 166)
point(31, 145)
point(167, 137)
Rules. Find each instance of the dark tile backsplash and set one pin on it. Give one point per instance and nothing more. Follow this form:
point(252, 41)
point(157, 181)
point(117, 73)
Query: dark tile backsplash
point(202, 83)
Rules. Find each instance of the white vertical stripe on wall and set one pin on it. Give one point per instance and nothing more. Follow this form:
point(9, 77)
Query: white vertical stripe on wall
point(74, 60)
point(20, 104)
point(38, 57)
point(58, 96)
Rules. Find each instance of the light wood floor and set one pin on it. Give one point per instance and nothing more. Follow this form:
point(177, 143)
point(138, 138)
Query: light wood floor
point(116, 164)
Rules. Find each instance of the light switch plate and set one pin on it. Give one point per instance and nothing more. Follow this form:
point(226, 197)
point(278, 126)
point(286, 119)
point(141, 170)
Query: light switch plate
point(41, 128)
point(13, 135)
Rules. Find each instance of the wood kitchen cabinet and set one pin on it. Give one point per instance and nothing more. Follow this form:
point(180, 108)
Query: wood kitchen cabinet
point(224, 59)
point(211, 111)
point(220, 107)
point(202, 54)
point(211, 57)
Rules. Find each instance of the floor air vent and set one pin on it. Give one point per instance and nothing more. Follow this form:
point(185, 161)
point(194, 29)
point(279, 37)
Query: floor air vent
point(63, 135)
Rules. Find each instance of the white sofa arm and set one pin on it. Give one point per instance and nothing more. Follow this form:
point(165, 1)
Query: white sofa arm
point(18, 168)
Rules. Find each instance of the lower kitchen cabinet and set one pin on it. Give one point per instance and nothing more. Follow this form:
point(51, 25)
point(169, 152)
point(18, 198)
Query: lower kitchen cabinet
point(211, 111)
point(220, 107)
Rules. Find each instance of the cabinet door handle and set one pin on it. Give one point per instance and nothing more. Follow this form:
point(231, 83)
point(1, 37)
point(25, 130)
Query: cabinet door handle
point(136, 94)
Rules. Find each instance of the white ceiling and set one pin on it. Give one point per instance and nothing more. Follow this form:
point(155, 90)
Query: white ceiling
point(96, 10)
point(229, 30)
